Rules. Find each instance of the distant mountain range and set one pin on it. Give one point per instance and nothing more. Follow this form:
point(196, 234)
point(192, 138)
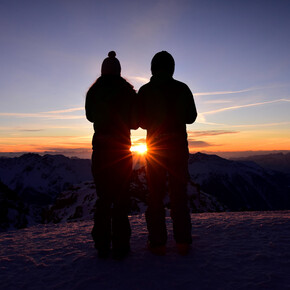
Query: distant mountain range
point(275, 161)
point(240, 185)
point(39, 179)
point(54, 188)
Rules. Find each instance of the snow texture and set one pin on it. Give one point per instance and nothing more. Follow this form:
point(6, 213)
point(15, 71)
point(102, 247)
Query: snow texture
point(39, 179)
point(78, 203)
point(242, 250)
point(36, 189)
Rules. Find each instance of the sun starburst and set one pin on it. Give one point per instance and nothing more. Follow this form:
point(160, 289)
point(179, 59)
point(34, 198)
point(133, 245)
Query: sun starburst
point(139, 148)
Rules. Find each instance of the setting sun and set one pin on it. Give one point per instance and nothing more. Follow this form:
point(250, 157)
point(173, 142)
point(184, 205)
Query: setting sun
point(140, 148)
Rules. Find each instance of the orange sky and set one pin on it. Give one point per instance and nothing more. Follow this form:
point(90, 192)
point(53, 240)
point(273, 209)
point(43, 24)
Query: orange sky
point(211, 141)
point(234, 58)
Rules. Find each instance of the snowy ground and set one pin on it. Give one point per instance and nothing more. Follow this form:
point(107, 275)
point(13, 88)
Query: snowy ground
point(248, 250)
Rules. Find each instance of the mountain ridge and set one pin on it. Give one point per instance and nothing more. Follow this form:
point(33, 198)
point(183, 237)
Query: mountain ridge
point(273, 161)
point(55, 188)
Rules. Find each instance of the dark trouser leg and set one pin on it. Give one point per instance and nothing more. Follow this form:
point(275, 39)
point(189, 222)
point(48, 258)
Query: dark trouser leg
point(178, 174)
point(111, 171)
point(121, 230)
point(155, 214)
point(101, 232)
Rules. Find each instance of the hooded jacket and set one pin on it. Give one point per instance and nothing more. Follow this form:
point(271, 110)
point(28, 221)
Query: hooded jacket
point(165, 107)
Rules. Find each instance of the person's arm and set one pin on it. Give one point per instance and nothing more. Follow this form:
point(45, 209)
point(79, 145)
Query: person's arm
point(140, 109)
point(89, 105)
point(191, 112)
point(134, 122)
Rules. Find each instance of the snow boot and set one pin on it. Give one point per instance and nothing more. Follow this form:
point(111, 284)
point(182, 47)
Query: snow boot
point(104, 253)
point(121, 253)
point(157, 250)
point(183, 249)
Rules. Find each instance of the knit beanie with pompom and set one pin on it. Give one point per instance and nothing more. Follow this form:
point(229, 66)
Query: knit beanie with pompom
point(111, 65)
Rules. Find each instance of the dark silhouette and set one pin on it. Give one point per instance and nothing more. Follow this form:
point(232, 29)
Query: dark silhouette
point(109, 105)
point(165, 106)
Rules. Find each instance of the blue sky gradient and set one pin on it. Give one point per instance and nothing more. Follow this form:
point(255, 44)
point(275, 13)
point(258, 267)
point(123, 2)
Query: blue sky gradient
point(234, 56)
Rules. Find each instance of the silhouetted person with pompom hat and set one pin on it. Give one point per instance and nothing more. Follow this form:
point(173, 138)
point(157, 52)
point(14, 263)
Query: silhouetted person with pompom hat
point(110, 106)
point(165, 106)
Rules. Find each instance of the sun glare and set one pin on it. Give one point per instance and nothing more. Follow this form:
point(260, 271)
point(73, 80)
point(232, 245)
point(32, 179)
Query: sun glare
point(140, 148)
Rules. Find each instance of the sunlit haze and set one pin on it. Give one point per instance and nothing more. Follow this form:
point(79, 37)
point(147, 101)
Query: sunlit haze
point(233, 55)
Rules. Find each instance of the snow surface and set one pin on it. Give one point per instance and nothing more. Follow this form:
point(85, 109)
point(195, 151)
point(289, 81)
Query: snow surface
point(241, 250)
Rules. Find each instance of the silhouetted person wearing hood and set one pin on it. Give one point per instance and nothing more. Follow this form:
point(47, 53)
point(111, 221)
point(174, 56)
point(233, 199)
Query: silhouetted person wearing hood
point(109, 105)
point(165, 106)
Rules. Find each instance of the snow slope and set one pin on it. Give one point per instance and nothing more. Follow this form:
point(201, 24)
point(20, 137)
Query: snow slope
point(240, 185)
point(248, 250)
point(274, 161)
point(57, 188)
point(78, 203)
point(39, 179)
point(12, 210)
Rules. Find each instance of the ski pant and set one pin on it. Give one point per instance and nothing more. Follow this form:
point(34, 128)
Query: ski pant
point(111, 171)
point(160, 165)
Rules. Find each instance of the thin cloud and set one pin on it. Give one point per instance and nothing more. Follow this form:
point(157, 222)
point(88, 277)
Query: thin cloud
point(30, 130)
point(236, 92)
point(244, 106)
point(201, 120)
point(40, 115)
point(65, 110)
point(58, 114)
point(218, 102)
point(192, 143)
point(141, 80)
point(211, 133)
point(246, 125)
point(224, 92)
point(261, 125)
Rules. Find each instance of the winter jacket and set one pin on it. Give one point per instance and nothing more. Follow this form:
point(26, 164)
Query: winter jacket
point(110, 106)
point(165, 106)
